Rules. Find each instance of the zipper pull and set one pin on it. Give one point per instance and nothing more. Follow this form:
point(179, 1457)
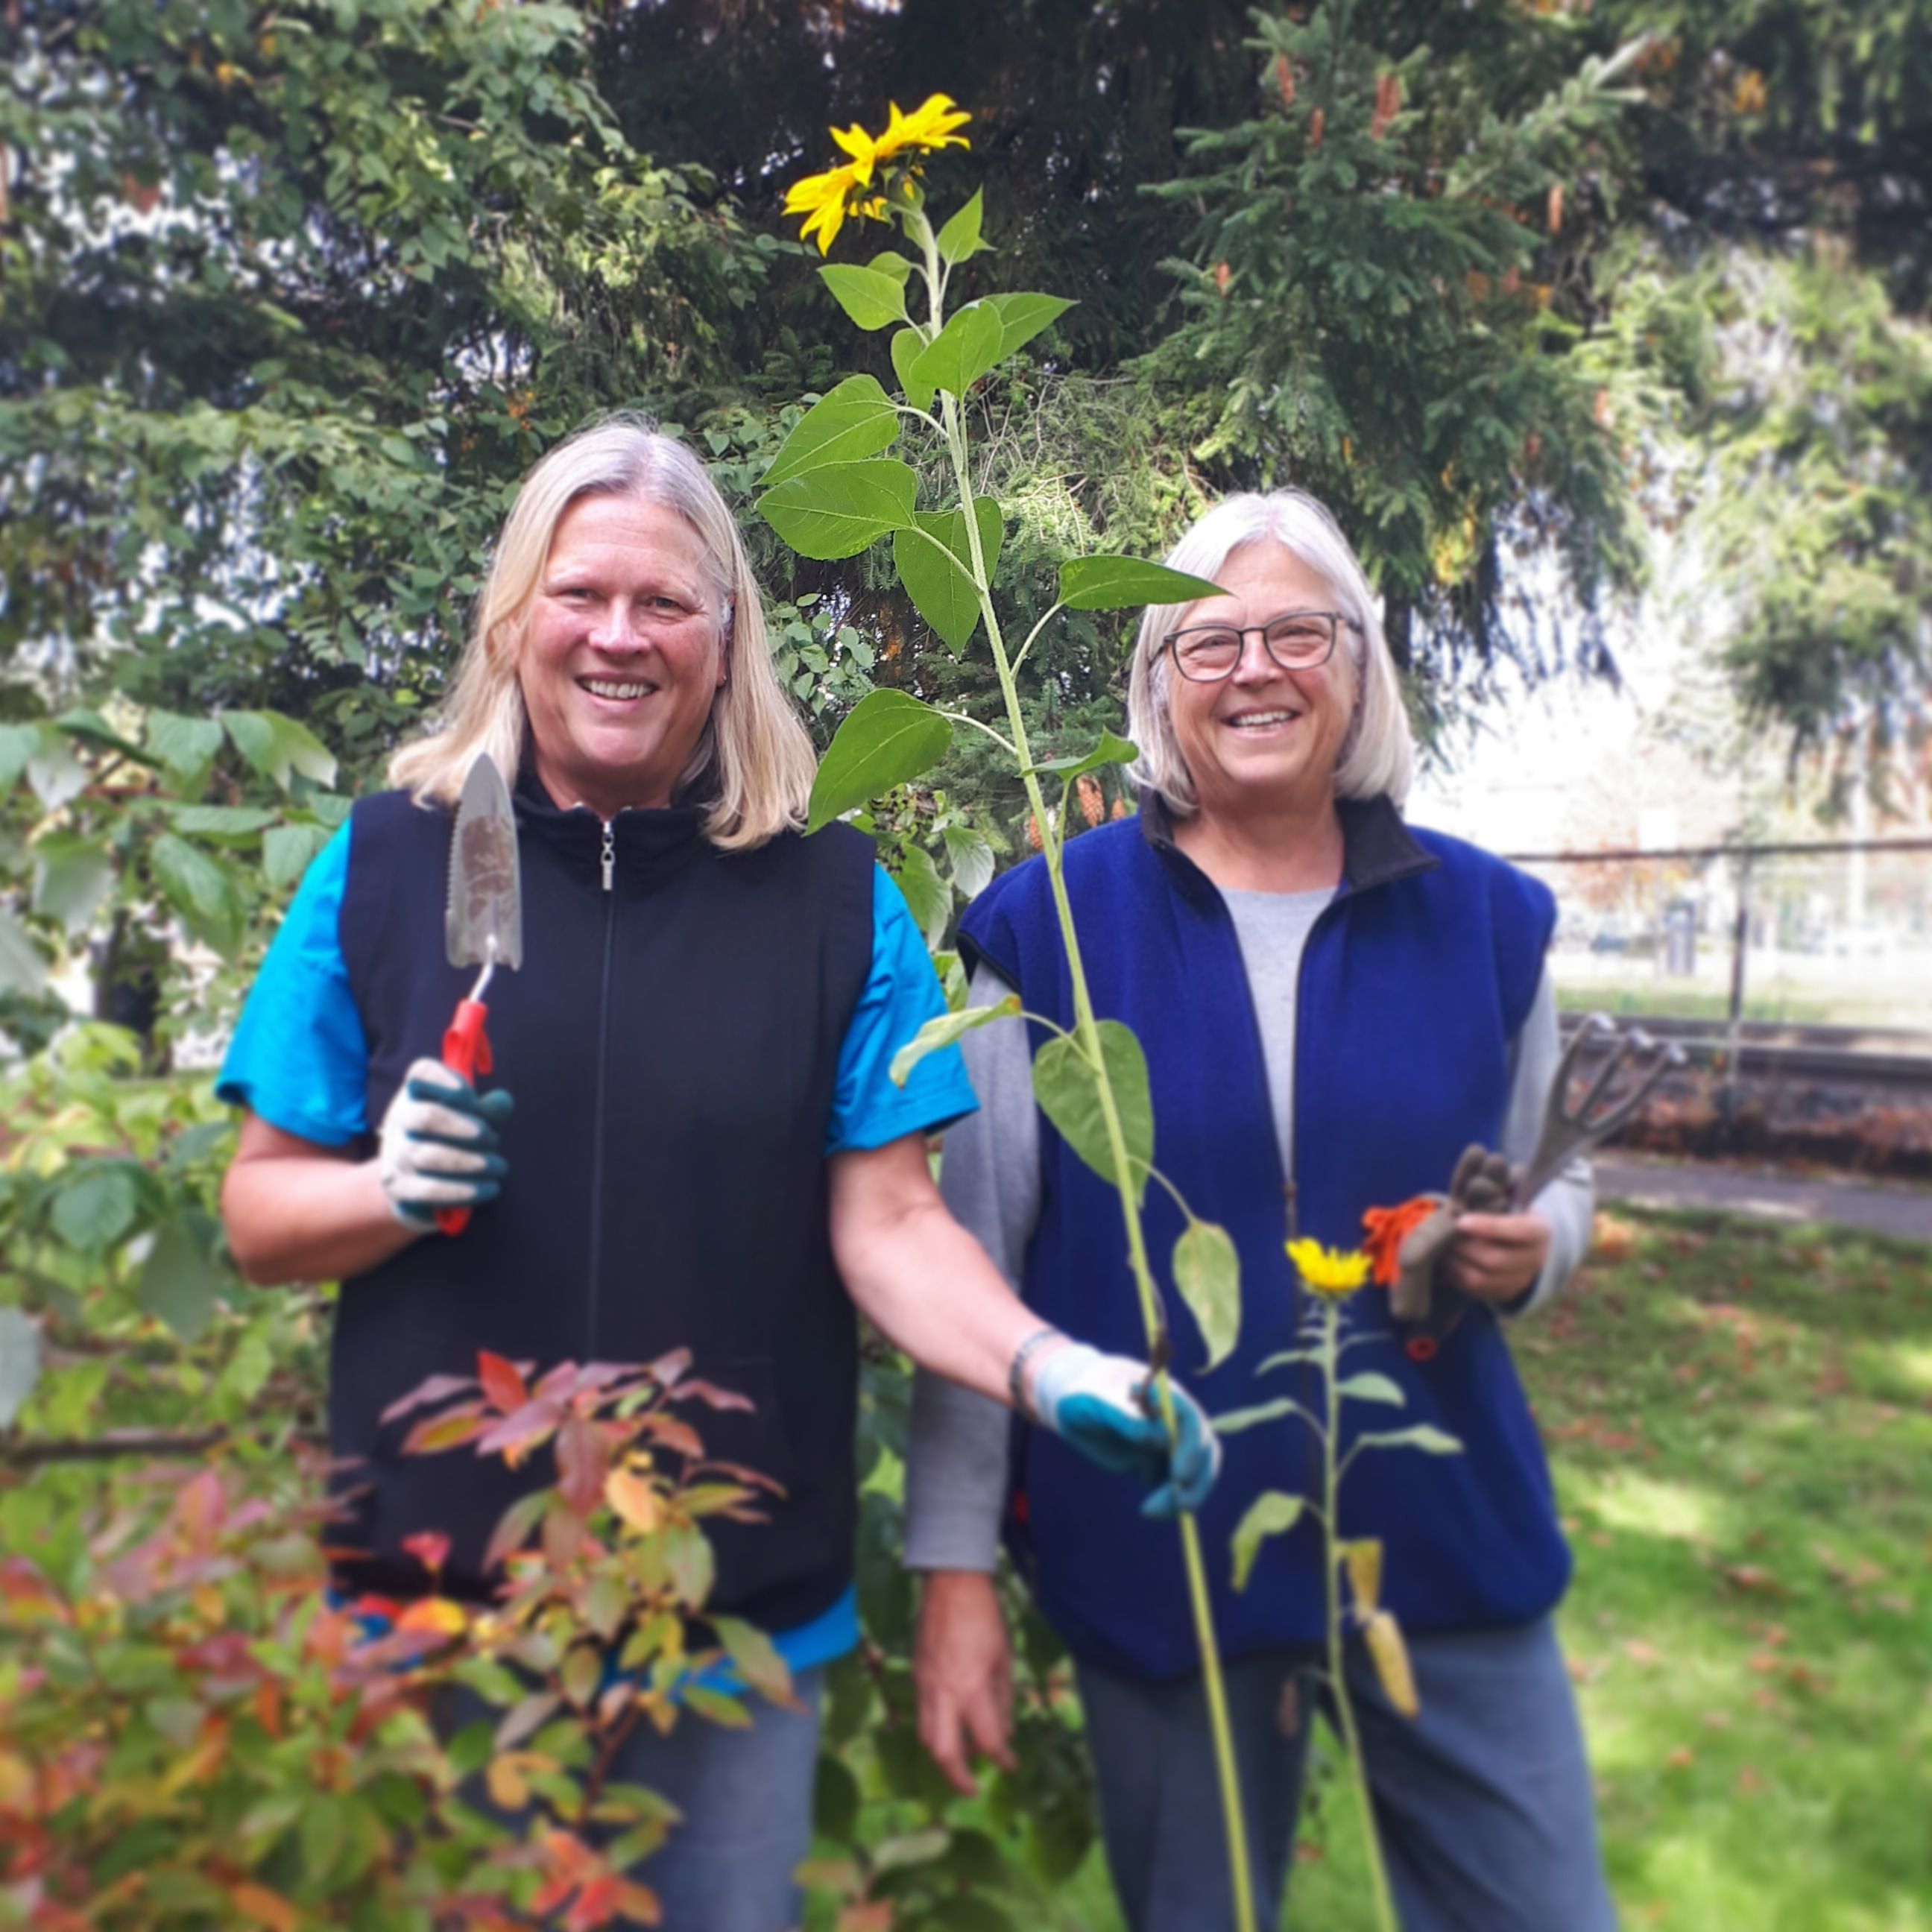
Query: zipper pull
point(609, 854)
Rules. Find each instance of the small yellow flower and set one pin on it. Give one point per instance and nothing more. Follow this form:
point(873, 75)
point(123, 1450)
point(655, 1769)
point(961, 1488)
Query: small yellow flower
point(1332, 1272)
point(827, 200)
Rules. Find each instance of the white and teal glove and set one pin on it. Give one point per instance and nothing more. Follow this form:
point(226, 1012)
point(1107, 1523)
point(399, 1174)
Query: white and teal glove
point(439, 1145)
point(1105, 1406)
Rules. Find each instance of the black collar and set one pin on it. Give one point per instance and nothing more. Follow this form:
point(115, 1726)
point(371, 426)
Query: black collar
point(1377, 847)
point(643, 840)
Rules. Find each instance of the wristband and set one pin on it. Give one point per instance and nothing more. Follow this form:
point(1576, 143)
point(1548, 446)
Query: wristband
point(1015, 1382)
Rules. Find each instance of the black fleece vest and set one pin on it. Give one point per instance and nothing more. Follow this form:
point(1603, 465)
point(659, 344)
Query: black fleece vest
point(672, 1044)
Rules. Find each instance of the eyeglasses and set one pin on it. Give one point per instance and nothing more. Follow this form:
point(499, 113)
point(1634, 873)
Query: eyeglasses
point(1296, 640)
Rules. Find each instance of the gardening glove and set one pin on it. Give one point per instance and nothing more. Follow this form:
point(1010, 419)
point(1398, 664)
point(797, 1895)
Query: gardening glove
point(439, 1144)
point(1105, 1407)
point(1481, 1185)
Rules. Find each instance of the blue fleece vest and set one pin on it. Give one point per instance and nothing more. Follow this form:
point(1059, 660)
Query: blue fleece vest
point(1415, 981)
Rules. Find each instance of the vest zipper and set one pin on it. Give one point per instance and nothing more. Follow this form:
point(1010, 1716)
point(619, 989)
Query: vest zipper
point(608, 858)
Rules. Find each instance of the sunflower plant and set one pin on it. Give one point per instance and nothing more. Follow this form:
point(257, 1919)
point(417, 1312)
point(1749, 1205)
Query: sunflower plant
point(1330, 1277)
point(836, 488)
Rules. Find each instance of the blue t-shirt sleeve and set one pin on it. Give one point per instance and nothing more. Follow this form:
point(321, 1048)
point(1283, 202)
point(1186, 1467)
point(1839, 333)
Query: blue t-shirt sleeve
point(901, 993)
point(299, 1059)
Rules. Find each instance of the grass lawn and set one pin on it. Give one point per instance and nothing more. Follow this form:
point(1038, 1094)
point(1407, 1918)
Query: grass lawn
point(1741, 1424)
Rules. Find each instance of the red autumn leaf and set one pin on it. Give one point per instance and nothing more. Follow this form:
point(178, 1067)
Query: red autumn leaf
point(437, 1388)
point(429, 1547)
point(580, 1466)
point(502, 1381)
point(449, 1431)
point(516, 1434)
point(711, 1394)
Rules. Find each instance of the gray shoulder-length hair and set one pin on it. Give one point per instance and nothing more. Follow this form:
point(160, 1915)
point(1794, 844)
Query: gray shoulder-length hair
point(755, 755)
point(1378, 752)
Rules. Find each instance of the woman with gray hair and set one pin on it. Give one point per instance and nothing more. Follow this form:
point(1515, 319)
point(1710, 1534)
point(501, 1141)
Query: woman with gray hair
point(1334, 1006)
point(707, 1152)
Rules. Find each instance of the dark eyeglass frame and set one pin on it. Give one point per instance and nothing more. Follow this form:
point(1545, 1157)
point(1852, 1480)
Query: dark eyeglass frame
point(1171, 643)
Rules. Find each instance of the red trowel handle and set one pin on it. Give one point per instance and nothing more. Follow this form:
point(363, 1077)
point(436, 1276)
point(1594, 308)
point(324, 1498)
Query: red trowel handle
point(465, 1050)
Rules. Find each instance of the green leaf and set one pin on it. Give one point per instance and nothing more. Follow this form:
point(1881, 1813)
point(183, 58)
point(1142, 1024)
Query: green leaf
point(757, 1658)
point(278, 747)
point(839, 510)
point(179, 1280)
point(55, 775)
point(946, 1029)
point(184, 744)
point(1271, 1513)
point(927, 897)
point(938, 576)
point(1208, 1272)
point(888, 740)
point(907, 347)
point(1112, 750)
point(286, 851)
point(1236, 1420)
point(971, 854)
point(96, 729)
point(22, 968)
point(234, 824)
point(71, 877)
point(835, 1800)
point(202, 890)
point(959, 239)
point(1121, 583)
point(1371, 1387)
point(847, 424)
point(1432, 1441)
point(1287, 1358)
point(20, 1361)
point(95, 1209)
point(962, 352)
point(888, 263)
point(873, 298)
point(18, 743)
point(1068, 1095)
point(729, 1711)
point(1023, 316)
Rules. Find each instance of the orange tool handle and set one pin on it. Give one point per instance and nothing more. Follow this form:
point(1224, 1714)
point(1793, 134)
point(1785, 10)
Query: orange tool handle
point(465, 1050)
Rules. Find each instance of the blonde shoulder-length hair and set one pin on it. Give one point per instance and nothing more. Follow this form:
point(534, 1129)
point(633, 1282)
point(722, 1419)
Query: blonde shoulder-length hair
point(1377, 753)
point(755, 759)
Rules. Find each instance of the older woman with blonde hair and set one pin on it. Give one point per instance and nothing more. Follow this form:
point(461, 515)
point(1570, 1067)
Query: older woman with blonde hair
point(706, 1152)
point(1333, 1005)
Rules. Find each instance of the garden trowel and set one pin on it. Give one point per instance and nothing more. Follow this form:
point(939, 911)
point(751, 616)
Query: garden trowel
point(483, 924)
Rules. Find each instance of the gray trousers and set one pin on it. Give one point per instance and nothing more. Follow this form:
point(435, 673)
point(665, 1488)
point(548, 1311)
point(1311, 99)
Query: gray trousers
point(1484, 1802)
point(746, 1796)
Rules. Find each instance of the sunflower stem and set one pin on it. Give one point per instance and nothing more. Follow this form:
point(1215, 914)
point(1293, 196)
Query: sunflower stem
point(1087, 1031)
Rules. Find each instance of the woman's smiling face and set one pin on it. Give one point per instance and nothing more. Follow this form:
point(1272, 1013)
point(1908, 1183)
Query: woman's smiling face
point(622, 654)
point(1264, 738)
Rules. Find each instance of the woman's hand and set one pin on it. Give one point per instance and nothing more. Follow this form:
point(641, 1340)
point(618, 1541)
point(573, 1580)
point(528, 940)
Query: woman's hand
point(1496, 1257)
point(962, 1662)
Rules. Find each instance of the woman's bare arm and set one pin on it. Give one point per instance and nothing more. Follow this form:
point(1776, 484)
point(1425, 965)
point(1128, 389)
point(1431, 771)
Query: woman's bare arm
point(296, 1210)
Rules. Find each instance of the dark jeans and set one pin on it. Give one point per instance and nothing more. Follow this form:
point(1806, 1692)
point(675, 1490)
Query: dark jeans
point(1484, 1801)
point(746, 1800)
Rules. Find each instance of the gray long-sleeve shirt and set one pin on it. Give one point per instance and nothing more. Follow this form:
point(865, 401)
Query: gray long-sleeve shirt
point(956, 1459)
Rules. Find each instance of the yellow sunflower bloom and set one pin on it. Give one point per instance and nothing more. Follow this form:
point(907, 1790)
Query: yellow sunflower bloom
point(828, 200)
point(1332, 1272)
point(823, 199)
point(864, 151)
point(929, 126)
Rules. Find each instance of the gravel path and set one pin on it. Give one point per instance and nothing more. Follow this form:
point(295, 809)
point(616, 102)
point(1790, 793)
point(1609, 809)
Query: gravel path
point(1884, 1207)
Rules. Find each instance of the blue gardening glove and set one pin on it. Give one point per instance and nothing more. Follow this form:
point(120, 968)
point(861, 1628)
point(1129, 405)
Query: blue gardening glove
point(1104, 1406)
point(439, 1144)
